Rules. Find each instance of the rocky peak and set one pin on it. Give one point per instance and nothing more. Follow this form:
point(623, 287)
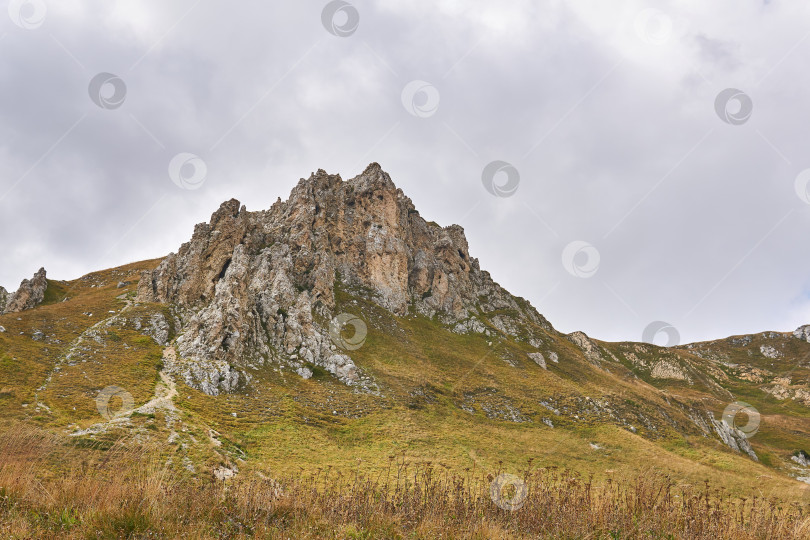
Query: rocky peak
point(30, 294)
point(253, 285)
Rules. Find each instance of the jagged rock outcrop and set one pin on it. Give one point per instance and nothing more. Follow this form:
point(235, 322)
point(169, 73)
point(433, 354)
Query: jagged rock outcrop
point(589, 348)
point(28, 296)
point(803, 332)
point(3, 299)
point(259, 286)
point(732, 437)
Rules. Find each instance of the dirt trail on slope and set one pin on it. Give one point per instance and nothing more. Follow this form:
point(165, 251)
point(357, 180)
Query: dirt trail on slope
point(166, 392)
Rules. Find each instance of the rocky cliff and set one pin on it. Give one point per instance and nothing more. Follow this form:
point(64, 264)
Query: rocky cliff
point(30, 294)
point(257, 287)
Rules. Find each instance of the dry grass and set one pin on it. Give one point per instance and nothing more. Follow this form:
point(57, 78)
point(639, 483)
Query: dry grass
point(134, 491)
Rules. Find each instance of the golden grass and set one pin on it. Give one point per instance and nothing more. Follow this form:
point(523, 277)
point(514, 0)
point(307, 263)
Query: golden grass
point(136, 491)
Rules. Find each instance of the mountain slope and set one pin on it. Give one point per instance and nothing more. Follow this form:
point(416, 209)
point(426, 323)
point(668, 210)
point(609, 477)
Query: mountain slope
point(339, 328)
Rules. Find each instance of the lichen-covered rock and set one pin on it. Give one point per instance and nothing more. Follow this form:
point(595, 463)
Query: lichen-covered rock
point(30, 294)
point(769, 352)
point(783, 388)
point(3, 299)
point(157, 327)
point(741, 341)
point(667, 370)
point(208, 375)
point(255, 287)
point(470, 325)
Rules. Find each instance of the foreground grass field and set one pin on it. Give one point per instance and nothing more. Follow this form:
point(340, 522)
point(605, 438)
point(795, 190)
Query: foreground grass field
point(128, 490)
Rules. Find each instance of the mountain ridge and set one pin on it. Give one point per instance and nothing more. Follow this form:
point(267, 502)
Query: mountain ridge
point(342, 315)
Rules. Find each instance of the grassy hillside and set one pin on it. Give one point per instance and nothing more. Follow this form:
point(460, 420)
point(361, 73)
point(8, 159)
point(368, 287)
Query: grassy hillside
point(455, 402)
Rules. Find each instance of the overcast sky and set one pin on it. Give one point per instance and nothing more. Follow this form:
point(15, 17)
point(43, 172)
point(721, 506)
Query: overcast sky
point(633, 186)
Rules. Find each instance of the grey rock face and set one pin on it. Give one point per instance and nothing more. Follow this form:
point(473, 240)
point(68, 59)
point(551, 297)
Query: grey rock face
point(538, 359)
point(732, 437)
point(589, 348)
point(159, 329)
point(28, 296)
point(742, 341)
point(667, 370)
point(801, 458)
point(470, 325)
point(258, 286)
point(803, 332)
point(3, 299)
point(769, 352)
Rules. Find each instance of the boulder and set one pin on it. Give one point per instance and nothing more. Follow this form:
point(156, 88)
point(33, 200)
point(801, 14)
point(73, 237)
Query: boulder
point(538, 359)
